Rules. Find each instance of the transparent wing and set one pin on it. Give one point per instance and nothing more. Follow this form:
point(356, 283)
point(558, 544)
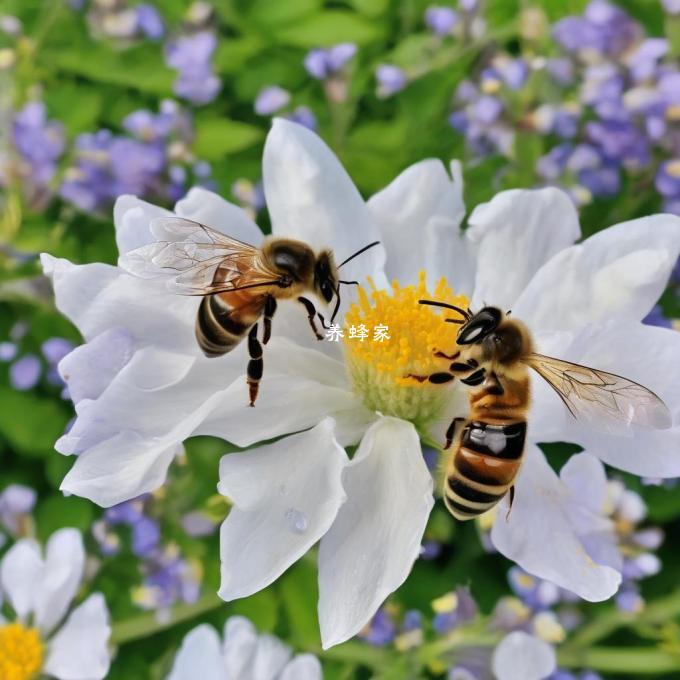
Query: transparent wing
point(200, 260)
point(606, 401)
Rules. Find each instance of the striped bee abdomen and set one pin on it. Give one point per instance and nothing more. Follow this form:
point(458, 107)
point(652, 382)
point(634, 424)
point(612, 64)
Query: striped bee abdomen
point(219, 327)
point(483, 467)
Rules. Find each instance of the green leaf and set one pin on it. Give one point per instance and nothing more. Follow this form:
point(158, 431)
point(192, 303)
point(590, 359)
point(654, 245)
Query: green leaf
point(275, 14)
point(216, 137)
point(330, 27)
point(232, 53)
point(29, 423)
point(76, 104)
point(57, 511)
point(261, 609)
point(299, 595)
point(140, 67)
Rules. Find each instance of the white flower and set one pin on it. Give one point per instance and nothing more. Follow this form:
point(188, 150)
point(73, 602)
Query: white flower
point(45, 637)
point(141, 385)
point(243, 654)
point(520, 656)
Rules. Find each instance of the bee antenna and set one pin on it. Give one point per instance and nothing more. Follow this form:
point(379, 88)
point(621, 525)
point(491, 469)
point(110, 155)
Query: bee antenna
point(350, 283)
point(509, 312)
point(362, 250)
point(435, 303)
point(458, 321)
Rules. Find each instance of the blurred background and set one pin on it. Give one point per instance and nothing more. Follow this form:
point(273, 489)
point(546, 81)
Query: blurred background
point(104, 97)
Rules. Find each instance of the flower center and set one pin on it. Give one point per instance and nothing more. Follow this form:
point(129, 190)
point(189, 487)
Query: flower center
point(21, 652)
point(387, 336)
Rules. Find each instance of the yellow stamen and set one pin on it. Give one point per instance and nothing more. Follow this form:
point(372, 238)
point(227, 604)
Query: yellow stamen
point(21, 652)
point(379, 368)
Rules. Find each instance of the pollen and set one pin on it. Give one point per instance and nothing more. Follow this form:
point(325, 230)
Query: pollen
point(21, 652)
point(389, 336)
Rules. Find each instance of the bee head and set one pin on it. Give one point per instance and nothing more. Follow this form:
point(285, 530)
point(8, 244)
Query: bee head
point(479, 326)
point(324, 279)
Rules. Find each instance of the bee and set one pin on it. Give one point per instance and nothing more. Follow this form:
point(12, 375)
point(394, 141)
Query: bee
point(492, 357)
point(240, 283)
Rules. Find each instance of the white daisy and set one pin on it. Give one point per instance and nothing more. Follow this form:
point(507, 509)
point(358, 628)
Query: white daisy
point(242, 654)
point(44, 636)
point(141, 385)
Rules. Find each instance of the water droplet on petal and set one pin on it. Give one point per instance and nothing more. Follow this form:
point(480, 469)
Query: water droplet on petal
point(296, 520)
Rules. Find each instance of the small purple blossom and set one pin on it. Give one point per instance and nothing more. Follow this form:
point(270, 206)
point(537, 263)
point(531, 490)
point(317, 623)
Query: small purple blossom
point(191, 55)
point(381, 630)
point(323, 63)
point(270, 100)
point(149, 21)
point(24, 374)
point(8, 350)
point(391, 79)
point(16, 503)
point(440, 20)
point(55, 349)
point(303, 115)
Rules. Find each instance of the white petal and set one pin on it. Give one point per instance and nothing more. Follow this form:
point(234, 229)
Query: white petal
point(303, 667)
point(404, 211)
point(132, 216)
point(240, 642)
point(540, 518)
point(89, 368)
point(619, 273)
point(585, 477)
point(98, 297)
point(285, 497)
point(152, 392)
point(271, 655)
point(21, 569)
point(64, 565)
point(310, 384)
point(520, 656)
point(310, 197)
point(214, 211)
point(200, 656)
point(371, 547)
point(79, 651)
point(514, 235)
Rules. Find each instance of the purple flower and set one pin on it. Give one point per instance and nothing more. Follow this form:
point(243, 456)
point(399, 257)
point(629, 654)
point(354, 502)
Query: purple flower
point(603, 28)
point(671, 6)
point(440, 20)
point(8, 350)
point(487, 109)
point(270, 100)
point(55, 349)
point(322, 63)
point(303, 115)
point(656, 318)
point(391, 79)
point(16, 501)
point(24, 373)
point(146, 535)
point(128, 512)
point(643, 63)
point(149, 21)
point(381, 630)
point(191, 55)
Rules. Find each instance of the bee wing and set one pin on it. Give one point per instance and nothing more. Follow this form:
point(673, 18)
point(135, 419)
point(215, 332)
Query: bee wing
point(606, 401)
point(204, 261)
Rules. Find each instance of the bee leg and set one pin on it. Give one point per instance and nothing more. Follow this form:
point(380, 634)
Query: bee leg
point(451, 431)
point(311, 313)
point(434, 378)
point(512, 498)
point(255, 365)
point(269, 309)
point(443, 355)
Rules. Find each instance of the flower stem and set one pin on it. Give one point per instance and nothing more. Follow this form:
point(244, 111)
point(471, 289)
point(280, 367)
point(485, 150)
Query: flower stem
point(146, 625)
point(604, 625)
point(620, 660)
